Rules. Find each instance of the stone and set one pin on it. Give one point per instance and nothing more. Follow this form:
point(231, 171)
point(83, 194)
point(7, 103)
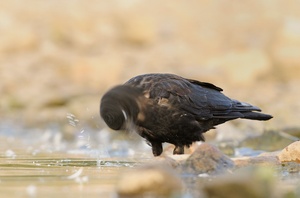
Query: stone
point(230, 132)
point(289, 168)
point(294, 131)
point(261, 160)
point(246, 183)
point(291, 153)
point(207, 159)
point(155, 180)
point(269, 141)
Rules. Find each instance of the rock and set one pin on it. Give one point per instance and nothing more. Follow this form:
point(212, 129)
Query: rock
point(173, 161)
point(271, 160)
point(229, 132)
point(269, 141)
point(291, 153)
point(227, 147)
point(180, 158)
point(246, 183)
point(155, 180)
point(289, 169)
point(207, 159)
point(295, 131)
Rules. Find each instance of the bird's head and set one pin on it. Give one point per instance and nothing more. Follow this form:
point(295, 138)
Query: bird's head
point(119, 106)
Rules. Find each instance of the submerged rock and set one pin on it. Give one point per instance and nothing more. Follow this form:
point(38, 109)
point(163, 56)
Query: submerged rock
point(246, 183)
point(227, 147)
point(291, 153)
point(290, 169)
point(207, 159)
point(152, 180)
point(269, 141)
point(293, 131)
point(262, 160)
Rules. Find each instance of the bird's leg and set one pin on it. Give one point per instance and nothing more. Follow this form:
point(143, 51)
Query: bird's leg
point(156, 148)
point(178, 150)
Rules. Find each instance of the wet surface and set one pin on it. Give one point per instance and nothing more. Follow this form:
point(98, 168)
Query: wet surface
point(48, 175)
point(40, 164)
point(35, 163)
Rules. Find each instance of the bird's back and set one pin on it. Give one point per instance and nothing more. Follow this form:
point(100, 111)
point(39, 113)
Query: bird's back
point(203, 100)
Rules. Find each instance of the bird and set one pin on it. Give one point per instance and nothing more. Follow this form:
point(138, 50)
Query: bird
point(163, 107)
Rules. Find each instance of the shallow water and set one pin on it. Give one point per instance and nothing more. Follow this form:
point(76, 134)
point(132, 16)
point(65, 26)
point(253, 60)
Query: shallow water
point(40, 163)
point(58, 174)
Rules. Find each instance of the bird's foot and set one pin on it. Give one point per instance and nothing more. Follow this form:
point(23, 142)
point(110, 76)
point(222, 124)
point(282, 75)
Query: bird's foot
point(156, 148)
point(178, 150)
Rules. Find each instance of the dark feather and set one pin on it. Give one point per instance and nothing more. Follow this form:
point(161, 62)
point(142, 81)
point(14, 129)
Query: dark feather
point(169, 108)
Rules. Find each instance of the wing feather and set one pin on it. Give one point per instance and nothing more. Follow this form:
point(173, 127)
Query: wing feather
point(201, 99)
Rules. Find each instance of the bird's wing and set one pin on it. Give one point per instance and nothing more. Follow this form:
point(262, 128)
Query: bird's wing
point(205, 84)
point(160, 85)
point(203, 100)
point(215, 104)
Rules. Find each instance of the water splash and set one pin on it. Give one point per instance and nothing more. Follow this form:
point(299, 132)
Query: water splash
point(10, 154)
point(83, 139)
point(76, 174)
point(73, 121)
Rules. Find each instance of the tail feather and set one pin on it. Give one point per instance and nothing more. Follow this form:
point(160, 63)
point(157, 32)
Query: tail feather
point(249, 111)
point(243, 106)
point(256, 116)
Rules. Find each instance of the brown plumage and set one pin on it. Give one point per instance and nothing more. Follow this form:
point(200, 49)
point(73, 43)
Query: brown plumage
point(169, 108)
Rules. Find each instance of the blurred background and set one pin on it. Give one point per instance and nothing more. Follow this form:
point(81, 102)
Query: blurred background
point(57, 58)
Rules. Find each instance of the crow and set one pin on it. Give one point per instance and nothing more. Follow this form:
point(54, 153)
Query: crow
point(169, 108)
